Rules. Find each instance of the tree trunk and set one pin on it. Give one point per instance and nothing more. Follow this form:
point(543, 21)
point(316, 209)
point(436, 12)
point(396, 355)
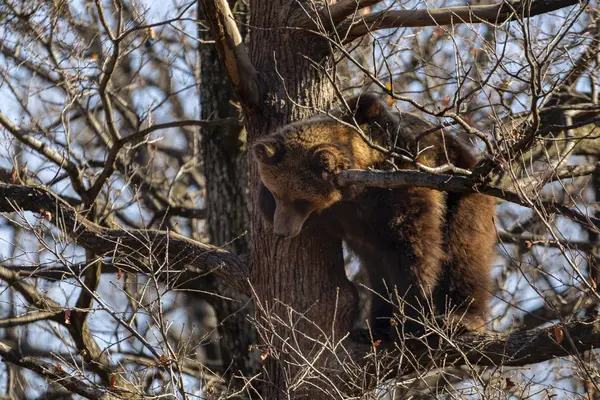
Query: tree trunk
point(305, 272)
point(227, 213)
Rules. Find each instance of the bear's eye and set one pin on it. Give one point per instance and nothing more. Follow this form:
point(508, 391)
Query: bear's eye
point(302, 205)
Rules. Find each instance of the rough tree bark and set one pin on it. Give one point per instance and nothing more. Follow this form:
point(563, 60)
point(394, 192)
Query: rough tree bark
point(224, 161)
point(280, 272)
point(306, 272)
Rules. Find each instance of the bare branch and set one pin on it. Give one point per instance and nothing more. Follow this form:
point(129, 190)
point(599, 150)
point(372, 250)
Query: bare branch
point(527, 241)
point(494, 13)
point(176, 124)
point(28, 318)
point(27, 139)
point(54, 373)
point(558, 307)
point(56, 272)
point(111, 158)
point(580, 66)
point(95, 358)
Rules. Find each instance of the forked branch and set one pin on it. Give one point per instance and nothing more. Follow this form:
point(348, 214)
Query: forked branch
point(54, 373)
point(233, 52)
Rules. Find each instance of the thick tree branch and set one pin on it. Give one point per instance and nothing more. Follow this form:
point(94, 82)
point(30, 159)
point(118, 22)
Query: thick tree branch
point(28, 318)
point(482, 349)
point(232, 51)
point(167, 252)
point(450, 183)
point(56, 272)
point(332, 13)
point(55, 374)
point(532, 346)
point(494, 13)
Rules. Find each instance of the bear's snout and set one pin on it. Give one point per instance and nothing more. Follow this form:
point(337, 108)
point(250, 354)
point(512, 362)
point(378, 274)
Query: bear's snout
point(282, 235)
point(286, 230)
point(287, 222)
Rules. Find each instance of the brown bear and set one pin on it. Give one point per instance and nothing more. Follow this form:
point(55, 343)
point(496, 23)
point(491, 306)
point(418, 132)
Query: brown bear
point(426, 249)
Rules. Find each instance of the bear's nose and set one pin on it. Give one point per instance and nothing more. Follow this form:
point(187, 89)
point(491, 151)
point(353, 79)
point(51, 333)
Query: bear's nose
point(281, 235)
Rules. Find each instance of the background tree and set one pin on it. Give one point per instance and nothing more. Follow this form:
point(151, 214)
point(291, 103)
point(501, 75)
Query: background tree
point(135, 265)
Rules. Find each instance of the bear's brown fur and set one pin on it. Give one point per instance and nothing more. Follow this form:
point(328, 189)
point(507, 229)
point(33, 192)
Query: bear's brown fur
point(423, 243)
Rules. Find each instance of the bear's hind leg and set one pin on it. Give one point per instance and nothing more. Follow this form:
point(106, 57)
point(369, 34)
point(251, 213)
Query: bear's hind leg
point(471, 239)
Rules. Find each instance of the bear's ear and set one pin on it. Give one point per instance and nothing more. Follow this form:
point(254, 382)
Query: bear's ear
point(373, 116)
point(367, 108)
point(268, 151)
point(327, 161)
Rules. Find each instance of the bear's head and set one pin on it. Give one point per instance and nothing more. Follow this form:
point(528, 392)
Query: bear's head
point(298, 165)
point(300, 177)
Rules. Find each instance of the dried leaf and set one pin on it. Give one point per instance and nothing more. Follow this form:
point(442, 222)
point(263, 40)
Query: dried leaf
point(152, 33)
point(446, 100)
point(559, 334)
point(119, 274)
point(45, 214)
point(390, 99)
point(24, 171)
point(377, 343)
point(590, 388)
point(113, 381)
point(393, 322)
point(593, 283)
point(68, 316)
point(163, 359)
point(504, 84)
point(14, 175)
point(264, 355)
point(509, 384)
